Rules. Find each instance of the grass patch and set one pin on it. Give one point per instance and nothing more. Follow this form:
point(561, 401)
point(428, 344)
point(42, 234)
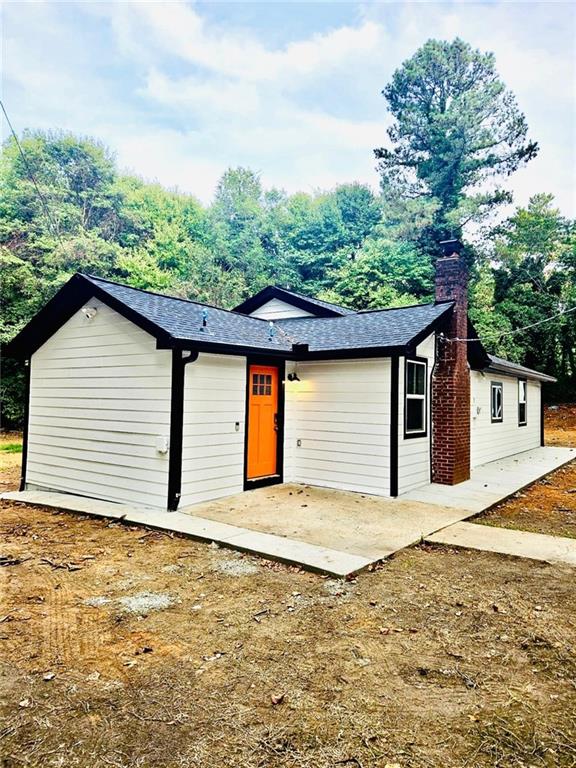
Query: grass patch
point(11, 448)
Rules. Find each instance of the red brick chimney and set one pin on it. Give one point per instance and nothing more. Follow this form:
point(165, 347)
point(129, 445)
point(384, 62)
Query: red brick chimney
point(451, 378)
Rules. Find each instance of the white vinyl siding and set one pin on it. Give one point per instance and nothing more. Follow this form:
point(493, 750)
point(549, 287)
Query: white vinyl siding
point(212, 448)
point(414, 452)
point(340, 411)
point(495, 440)
point(275, 309)
point(99, 401)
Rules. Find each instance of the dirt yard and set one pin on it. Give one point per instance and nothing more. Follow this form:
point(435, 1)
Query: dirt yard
point(550, 505)
point(130, 648)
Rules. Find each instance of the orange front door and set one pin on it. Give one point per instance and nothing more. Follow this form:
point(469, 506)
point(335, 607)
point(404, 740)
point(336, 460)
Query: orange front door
point(262, 421)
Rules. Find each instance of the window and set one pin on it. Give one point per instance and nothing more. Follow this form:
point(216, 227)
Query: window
point(415, 398)
point(522, 400)
point(496, 402)
point(261, 384)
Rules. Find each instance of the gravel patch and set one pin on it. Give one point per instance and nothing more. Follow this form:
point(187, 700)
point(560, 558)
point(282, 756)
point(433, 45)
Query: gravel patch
point(97, 602)
point(237, 566)
point(145, 602)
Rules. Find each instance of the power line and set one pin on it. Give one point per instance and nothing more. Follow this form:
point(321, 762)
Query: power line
point(525, 327)
point(47, 213)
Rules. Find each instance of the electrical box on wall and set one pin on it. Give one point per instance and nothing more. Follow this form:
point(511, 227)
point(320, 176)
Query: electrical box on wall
point(162, 444)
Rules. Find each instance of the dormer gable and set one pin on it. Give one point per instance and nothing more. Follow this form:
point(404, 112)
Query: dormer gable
point(274, 303)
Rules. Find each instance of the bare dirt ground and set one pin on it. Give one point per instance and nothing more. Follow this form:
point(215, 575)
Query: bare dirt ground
point(548, 506)
point(126, 647)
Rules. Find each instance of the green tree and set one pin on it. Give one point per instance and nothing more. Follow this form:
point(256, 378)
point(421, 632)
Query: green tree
point(384, 273)
point(455, 128)
point(535, 279)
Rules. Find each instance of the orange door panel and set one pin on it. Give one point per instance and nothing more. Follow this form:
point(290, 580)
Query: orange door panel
point(262, 421)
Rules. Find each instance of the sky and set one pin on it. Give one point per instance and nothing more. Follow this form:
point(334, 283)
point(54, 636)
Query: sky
point(180, 91)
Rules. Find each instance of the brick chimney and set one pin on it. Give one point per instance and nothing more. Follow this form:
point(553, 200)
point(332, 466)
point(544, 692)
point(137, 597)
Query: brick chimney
point(451, 377)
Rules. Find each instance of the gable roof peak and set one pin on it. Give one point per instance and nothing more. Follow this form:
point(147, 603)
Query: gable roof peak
point(316, 307)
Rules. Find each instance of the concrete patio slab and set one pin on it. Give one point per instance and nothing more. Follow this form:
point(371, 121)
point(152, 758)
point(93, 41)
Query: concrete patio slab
point(309, 556)
point(367, 526)
point(494, 482)
point(535, 546)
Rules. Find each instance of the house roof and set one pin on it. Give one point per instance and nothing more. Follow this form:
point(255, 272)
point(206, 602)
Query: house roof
point(317, 307)
point(402, 327)
point(176, 322)
point(499, 365)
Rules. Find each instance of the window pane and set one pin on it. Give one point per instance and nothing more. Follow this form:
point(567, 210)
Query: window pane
point(496, 402)
point(414, 415)
point(522, 391)
point(416, 378)
point(522, 413)
point(268, 389)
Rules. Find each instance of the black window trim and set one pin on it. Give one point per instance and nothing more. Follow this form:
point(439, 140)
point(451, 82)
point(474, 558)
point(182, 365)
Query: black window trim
point(411, 435)
point(499, 384)
point(525, 422)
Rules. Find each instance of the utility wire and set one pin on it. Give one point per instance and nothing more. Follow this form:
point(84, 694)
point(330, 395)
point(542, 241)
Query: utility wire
point(45, 207)
point(524, 328)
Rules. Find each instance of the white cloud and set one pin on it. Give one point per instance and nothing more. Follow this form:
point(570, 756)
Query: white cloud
point(178, 29)
point(180, 98)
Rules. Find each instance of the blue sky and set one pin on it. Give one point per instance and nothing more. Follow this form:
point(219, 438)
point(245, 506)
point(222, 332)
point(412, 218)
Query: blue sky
point(180, 90)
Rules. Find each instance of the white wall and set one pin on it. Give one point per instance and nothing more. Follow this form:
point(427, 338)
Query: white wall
point(414, 452)
point(212, 450)
point(495, 441)
point(99, 398)
point(278, 310)
point(340, 410)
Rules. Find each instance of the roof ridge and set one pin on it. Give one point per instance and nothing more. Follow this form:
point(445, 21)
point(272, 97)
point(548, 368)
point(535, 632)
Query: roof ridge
point(166, 296)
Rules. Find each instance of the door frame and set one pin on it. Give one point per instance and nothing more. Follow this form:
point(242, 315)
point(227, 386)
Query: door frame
point(280, 365)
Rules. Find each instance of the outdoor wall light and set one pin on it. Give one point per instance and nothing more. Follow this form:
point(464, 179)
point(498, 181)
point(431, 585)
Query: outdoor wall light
point(293, 377)
point(89, 312)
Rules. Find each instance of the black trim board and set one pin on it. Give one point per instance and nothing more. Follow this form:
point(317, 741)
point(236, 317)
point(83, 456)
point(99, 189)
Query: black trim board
point(279, 476)
point(179, 364)
point(26, 428)
point(394, 400)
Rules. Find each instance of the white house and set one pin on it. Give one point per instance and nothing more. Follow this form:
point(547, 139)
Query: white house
point(149, 399)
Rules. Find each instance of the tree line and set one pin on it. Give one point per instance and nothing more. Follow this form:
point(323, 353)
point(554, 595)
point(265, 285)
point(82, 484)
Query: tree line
point(456, 132)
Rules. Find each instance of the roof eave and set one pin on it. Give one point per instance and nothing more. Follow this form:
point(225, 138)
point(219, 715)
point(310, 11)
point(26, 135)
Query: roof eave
point(68, 300)
point(520, 374)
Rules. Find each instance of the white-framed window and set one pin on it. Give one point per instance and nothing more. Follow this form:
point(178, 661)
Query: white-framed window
point(522, 402)
point(416, 386)
point(496, 401)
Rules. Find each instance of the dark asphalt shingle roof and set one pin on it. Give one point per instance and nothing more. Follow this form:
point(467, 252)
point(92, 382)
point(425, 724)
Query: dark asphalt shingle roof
point(385, 328)
point(182, 319)
point(515, 369)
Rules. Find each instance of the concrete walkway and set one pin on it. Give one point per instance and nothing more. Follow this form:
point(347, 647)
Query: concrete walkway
point(494, 482)
point(309, 556)
point(535, 546)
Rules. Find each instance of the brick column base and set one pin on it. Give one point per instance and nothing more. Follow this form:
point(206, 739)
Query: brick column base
point(450, 424)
